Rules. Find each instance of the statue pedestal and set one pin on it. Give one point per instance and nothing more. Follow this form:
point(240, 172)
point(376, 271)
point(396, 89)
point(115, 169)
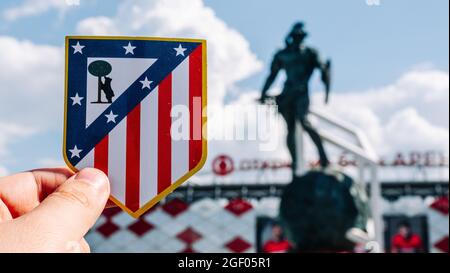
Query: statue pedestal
point(319, 208)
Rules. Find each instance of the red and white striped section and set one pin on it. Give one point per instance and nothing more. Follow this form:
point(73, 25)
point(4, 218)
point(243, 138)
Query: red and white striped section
point(139, 155)
point(438, 225)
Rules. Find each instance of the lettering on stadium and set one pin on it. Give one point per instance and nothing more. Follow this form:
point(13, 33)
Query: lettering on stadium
point(223, 164)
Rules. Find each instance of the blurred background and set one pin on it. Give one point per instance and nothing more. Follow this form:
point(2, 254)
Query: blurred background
point(390, 81)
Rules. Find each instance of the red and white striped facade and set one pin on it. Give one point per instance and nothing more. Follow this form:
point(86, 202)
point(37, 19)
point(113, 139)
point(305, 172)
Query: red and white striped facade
point(143, 159)
point(437, 214)
point(211, 225)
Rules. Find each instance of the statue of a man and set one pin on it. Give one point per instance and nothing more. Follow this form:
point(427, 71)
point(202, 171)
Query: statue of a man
point(299, 63)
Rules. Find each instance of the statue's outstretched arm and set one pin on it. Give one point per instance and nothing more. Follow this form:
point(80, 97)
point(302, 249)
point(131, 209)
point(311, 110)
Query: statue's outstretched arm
point(325, 71)
point(326, 78)
point(274, 69)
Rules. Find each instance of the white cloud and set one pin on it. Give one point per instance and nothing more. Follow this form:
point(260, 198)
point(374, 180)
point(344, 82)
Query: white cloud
point(9, 133)
point(410, 114)
point(32, 91)
point(35, 7)
point(225, 122)
point(407, 130)
point(32, 83)
point(48, 161)
point(99, 25)
point(229, 56)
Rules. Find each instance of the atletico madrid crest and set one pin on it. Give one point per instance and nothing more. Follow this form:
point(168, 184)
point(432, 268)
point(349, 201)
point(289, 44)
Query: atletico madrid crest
point(134, 108)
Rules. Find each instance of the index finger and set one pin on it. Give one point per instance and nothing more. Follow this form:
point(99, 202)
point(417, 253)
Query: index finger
point(22, 192)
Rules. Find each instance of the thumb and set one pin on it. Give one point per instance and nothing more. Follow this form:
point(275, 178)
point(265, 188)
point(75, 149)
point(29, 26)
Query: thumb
point(72, 209)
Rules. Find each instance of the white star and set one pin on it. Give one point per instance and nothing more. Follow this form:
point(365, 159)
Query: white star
point(129, 48)
point(78, 48)
point(180, 50)
point(75, 152)
point(111, 117)
point(76, 100)
point(146, 83)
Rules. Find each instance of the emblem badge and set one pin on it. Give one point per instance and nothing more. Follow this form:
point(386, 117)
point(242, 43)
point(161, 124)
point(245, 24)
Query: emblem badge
point(134, 109)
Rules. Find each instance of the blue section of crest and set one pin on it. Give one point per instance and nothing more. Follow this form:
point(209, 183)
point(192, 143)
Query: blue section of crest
point(76, 131)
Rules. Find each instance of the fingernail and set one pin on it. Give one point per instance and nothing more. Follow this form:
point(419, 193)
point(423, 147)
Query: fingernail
point(96, 177)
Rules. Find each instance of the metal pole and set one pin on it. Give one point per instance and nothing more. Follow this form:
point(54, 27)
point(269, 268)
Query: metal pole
point(361, 168)
point(377, 214)
point(300, 168)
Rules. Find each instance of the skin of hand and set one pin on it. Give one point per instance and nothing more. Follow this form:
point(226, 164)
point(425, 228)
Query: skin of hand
point(50, 210)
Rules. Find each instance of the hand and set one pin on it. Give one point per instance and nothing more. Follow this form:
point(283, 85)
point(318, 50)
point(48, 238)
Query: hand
point(326, 99)
point(262, 99)
point(50, 210)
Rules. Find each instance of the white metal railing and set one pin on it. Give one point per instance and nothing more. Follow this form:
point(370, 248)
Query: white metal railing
point(365, 158)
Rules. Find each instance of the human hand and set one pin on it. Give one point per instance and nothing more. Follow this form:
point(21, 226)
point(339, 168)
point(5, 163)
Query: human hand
point(263, 99)
point(326, 98)
point(50, 210)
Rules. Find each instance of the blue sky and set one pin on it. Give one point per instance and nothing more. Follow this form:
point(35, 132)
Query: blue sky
point(370, 46)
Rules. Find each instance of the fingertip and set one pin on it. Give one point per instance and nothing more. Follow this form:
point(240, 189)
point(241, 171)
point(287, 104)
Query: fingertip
point(94, 177)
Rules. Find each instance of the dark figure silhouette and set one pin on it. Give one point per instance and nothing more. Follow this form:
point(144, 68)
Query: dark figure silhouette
point(106, 88)
point(100, 69)
point(299, 62)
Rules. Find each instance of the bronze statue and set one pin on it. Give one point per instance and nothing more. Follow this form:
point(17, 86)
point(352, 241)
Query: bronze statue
point(299, 62)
